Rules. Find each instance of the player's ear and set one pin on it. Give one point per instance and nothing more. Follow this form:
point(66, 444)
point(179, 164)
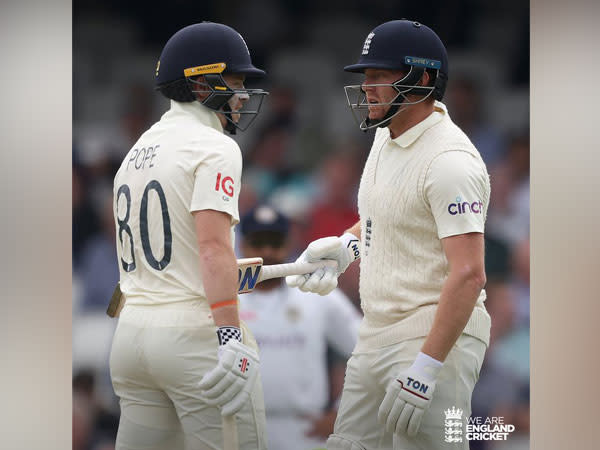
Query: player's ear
point(200, 86)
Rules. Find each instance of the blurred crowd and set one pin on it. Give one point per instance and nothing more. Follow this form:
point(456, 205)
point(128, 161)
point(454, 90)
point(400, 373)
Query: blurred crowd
point(304, 156)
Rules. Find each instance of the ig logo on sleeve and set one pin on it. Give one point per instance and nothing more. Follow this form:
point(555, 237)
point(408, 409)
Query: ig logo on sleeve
point(225, 184)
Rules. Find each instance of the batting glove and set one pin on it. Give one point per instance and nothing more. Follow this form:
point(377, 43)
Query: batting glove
point(230, 383)
point(408, 396)
point(343, 249)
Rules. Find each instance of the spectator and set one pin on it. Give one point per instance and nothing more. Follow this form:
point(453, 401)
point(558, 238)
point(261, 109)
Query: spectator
point(293, 330)
point(509, 347)
point(335, 209)
point(99, 271)
point(503, 388)
point(85, 220)
point(94, 426)
point(497, 258)
point(82, 423)
point(465, 103)
point(520, 281)
point(508, 215)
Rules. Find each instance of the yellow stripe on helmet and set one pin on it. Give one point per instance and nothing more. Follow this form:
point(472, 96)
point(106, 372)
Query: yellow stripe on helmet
point(201, 70)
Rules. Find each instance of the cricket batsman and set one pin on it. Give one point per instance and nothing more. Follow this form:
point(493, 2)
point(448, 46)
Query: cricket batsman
point(422, 202)
point(180, 357)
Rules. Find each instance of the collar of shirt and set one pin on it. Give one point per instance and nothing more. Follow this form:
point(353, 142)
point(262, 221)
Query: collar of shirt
point(412, 134)
point(207, 116)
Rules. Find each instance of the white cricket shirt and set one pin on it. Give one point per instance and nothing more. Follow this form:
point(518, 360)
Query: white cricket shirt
point(427, 184)
point(183, 163)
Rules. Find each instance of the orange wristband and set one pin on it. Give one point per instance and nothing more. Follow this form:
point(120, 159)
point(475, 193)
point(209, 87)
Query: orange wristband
point(223, 303)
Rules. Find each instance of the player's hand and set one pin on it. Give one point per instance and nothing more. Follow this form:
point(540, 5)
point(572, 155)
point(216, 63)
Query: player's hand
point(343, 249)
point(408, 396)
point(230, 383)
point(322, 426)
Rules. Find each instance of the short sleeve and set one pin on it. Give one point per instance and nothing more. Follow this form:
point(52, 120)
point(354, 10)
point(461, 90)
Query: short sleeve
point(457, 189)
point(217, 180)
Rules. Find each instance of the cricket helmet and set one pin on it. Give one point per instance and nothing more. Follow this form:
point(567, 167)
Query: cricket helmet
point(208, 50)
point(400, 45)
point(264, 218)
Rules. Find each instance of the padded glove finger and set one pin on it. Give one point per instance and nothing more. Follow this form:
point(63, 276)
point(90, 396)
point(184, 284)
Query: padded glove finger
point(230, 392)
point(386, 405)
point(394, 414)
point(404, 418)
point(329, 282)
point(235, 404)
point(296, 280)
point(213, 377)
point(415, 422)
point(218, 389)
point(314, 281)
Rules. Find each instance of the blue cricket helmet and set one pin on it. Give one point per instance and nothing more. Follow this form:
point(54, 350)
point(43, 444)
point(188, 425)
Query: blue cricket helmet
point(204, 44)
point(192, 65)
point(400, 44)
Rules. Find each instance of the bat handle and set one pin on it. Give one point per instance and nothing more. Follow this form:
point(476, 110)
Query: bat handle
point(296, 268)
point(230, 436)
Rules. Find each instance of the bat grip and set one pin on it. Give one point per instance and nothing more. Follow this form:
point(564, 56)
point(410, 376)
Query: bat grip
point(296, 268)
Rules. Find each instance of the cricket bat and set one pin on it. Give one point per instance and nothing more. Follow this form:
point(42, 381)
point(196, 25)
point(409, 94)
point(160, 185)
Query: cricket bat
point(230, 435)
point(250, 272)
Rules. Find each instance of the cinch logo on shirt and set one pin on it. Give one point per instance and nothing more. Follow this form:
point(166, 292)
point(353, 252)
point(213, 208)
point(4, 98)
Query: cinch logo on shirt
point(461, 207)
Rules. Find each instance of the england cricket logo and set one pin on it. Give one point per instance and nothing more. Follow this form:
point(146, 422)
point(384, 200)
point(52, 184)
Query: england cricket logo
point(453, 425)
point(367, 44)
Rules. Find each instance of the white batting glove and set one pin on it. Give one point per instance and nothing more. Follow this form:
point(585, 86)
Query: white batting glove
point(408, 396)
point(230, 383)
point(343, 249)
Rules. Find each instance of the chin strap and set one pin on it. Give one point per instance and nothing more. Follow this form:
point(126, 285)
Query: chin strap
point(368, 123)
point(230, 125)
point(412, 78)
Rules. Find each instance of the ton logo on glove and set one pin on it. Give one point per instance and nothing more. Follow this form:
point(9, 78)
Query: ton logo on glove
point(415, 384)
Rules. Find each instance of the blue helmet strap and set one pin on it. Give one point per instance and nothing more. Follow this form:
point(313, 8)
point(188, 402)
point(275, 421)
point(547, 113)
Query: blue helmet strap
point(440, 86)
point(411, 79)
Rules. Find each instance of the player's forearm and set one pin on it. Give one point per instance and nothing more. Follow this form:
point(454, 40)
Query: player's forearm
point(354, 229)
point(458, 298)
point(218, 268)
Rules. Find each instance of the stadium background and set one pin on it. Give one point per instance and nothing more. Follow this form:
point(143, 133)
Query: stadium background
point(303, 155)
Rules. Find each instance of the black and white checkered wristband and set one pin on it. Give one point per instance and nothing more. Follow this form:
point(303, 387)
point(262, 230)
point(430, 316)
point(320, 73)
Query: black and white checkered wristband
point(226, 333)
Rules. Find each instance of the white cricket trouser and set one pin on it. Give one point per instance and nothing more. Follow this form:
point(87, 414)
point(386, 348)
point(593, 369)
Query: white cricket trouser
point(367, 375)
point(158, 356)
